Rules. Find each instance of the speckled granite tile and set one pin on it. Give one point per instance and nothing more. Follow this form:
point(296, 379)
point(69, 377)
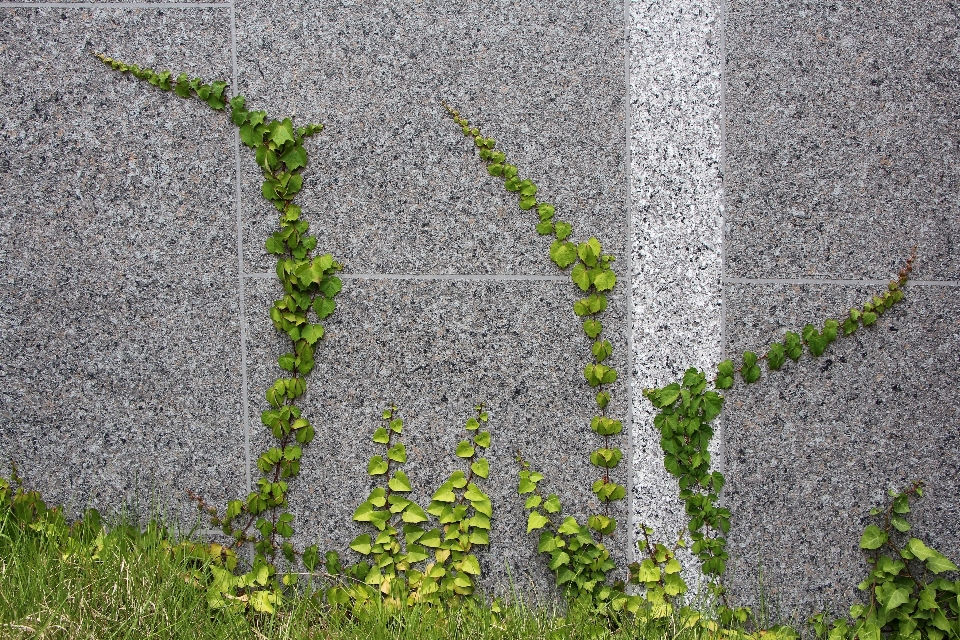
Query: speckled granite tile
point(552, 90)
point(119, 319)
point(842, 144)
point(811, 449)
point(393, 186)
point(677, 202)
point(435, 348)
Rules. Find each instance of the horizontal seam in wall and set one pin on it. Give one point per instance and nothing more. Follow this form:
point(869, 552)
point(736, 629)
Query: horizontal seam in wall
point(910, 283)
point(451, 276)
point(115, 5)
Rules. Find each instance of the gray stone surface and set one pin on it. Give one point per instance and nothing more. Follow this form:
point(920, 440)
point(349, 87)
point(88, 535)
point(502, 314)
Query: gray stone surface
point(393, 187)
point(435, 348)
point(119, 315)
point(677, 218)
point(841, 138)
point(812, 448)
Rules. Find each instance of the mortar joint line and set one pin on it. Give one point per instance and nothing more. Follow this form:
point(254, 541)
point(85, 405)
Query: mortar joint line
point(244, 391)
point(721, 448)
point(628, 176)
point(836, 281)
point(457, 277)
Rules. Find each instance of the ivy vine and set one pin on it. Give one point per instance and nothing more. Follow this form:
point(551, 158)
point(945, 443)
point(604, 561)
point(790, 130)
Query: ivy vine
point(310, 285)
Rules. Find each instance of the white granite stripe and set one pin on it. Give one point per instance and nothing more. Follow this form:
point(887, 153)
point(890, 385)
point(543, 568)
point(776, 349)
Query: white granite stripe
point(677, 221)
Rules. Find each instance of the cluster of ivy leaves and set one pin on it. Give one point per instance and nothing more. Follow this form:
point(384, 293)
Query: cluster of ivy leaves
point(310, 284)
point(908, 596)
point(580, 573)
point(408, 563)
point(686, 410)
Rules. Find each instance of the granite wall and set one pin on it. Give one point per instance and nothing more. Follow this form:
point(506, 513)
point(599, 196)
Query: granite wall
point(754, 166)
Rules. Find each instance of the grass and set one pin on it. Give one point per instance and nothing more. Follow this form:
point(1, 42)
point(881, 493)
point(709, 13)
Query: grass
point(83, 580)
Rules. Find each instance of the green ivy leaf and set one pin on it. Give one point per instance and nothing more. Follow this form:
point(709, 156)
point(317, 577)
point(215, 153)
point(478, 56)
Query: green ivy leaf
point(470, 565)
point(776, 356)
point(482, 439)
point(648, 571)
point(545, 228)
point(581, 277)
point(564, 229)
point(552, 504)
point(602, 524)
point(895, 598)
point(295, 157)
point(286, 362)
point(569, 527)
point(430, 539)
point(527, 188)
point(480, 536)
point(399, 482)
point(281, 132)
point(398, 453)
point(563, 253)
point(873, 538)
point(536, 520)
point(592, 328)
point(444, 493)
point(481, 468)
point(458, 479)
point(362, 544)
point(465, 449)
point(940, 563)
point(311, 333)
point(413, 514)
point(605, 280)
point(377, 466)
point(606, 458)
point(793, 345)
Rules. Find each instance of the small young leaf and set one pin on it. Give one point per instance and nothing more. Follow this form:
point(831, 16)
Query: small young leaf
point(399, 482)
point(873, 538)
point(592, 328)
point(377, 466)
point(361, 544)
point(776, 356)
point(398, 453)
point(563, 253)
point(580, 276)
point(311, 333)
point(605, 280)
point(536, 520)
point(793, 345)
point(481, 468)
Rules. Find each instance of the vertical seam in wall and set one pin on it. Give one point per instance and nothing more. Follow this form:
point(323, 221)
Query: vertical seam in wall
point(723, 218)
point(628, 248)
point(244, 401)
